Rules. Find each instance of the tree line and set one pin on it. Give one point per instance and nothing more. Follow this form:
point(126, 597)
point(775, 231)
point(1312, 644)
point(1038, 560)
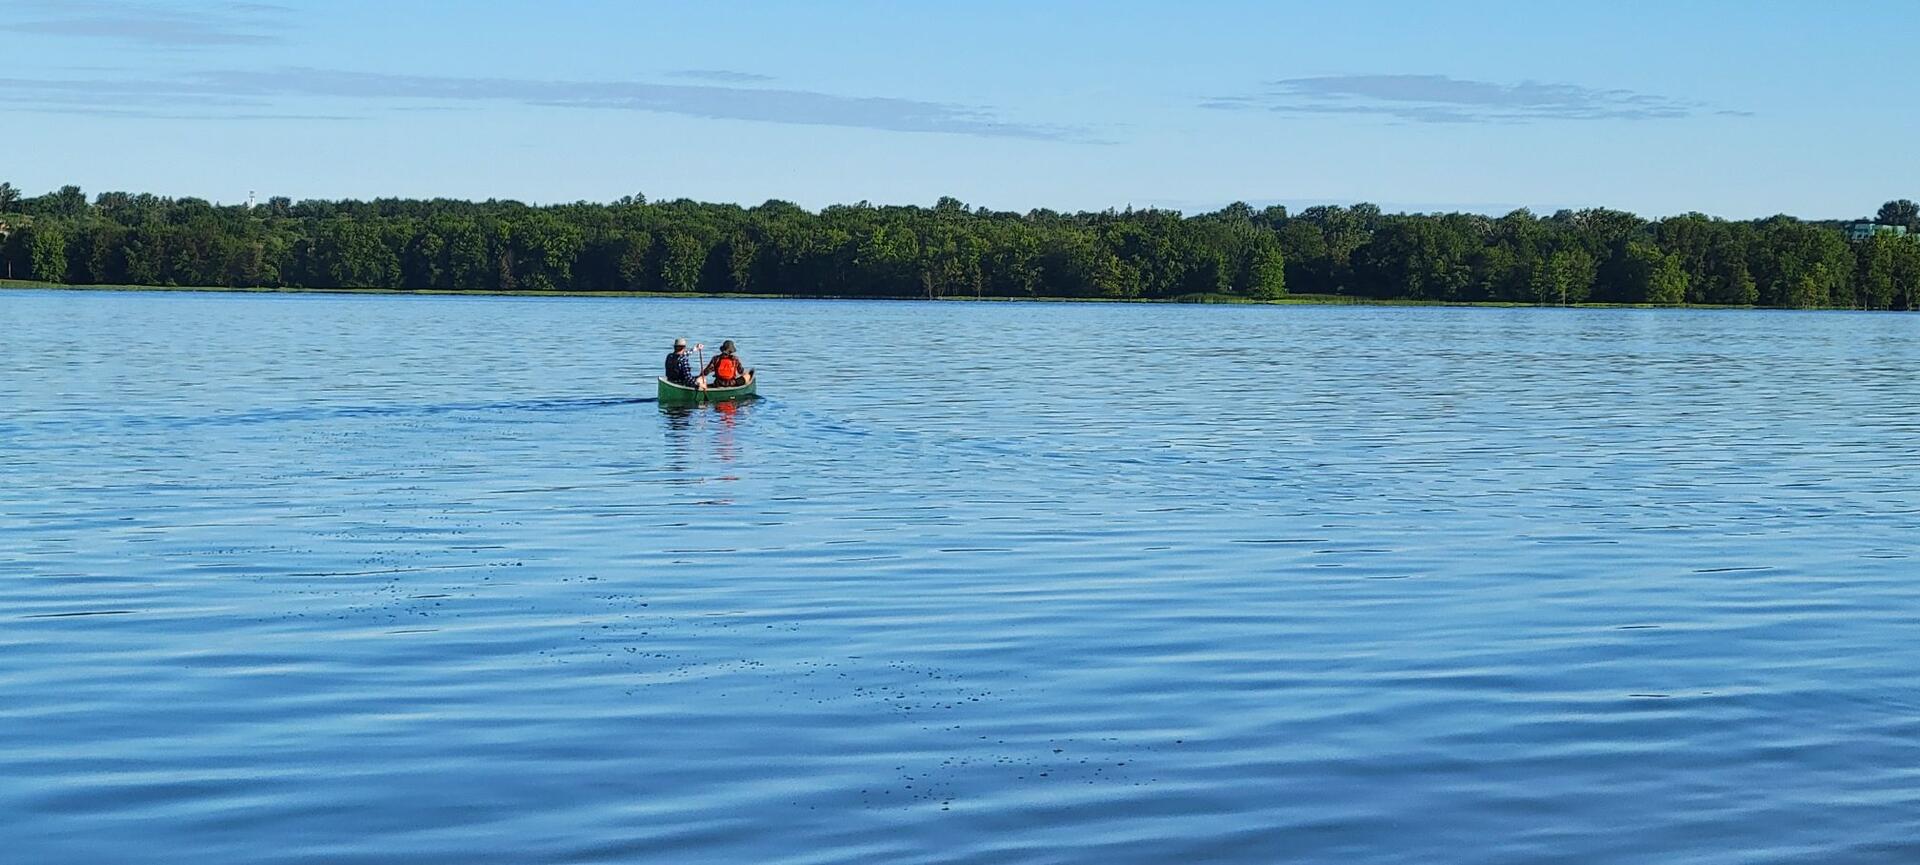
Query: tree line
point(949, 249)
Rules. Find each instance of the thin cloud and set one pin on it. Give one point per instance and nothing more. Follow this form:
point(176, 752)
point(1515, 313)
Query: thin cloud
point(265, 88)
point(725, 76)
point(1443, 99)
point(150, 25)
point(142, 114)
point(125, 98)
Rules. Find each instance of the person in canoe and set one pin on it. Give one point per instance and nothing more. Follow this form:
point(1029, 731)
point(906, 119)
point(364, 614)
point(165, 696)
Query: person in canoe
point(680, 370)
point(726, 368)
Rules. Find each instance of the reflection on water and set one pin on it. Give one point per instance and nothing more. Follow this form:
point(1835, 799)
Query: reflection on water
point(701, 431)
point(321, 579)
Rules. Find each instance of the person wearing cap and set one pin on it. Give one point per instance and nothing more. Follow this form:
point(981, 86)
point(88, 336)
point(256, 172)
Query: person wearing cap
point(726, 369)
point(679, 371)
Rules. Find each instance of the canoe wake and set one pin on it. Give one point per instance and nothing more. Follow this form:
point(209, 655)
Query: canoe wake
point(83, 419)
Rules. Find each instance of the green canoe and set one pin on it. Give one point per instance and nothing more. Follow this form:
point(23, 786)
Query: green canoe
point(675, 394)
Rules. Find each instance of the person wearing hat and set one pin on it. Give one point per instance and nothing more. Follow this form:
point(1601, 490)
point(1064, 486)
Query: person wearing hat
point(726, 369)
point(679, 371)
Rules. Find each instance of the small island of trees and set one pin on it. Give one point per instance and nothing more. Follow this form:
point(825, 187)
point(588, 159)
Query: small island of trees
point(862, 250)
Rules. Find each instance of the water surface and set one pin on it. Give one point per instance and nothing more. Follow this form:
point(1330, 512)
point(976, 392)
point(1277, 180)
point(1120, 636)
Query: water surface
point(306, 579)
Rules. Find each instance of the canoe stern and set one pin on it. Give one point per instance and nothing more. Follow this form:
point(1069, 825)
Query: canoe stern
point(673, 393)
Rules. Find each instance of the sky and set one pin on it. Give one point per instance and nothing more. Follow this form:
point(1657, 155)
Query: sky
point(1737, 109)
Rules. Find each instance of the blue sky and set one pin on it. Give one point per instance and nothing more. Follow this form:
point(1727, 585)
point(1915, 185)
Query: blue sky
point(1739, 109)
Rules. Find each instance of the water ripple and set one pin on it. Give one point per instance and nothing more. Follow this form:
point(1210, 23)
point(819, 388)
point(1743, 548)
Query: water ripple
point(315, 579)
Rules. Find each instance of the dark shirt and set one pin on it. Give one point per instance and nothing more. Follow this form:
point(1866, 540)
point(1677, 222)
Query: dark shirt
point(678, 370)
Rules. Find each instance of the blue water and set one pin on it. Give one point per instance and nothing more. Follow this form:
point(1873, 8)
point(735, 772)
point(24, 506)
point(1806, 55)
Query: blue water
point(329, 579)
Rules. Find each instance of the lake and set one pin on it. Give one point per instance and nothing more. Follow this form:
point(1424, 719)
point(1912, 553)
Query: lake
point(328, 579)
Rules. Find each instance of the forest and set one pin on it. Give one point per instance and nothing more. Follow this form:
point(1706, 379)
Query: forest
point(861, 250)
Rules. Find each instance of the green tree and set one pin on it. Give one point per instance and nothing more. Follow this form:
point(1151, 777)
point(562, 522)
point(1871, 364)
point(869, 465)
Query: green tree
point(68, 202)
point(1727, 280)
point(1564, 278)
point(1785, 252)
point(1900, 212)
point(949, 248)
point(1342, 232)
point(423, 263)
point(886, 262)
point(138, 255)
point(1653, 276)
point(13, 250)
point(469, 262)
point(1906, 273)
point(683, 257)
point(1265, 274)
point(1514, 248)
point(1112, 276)
point(97, 254)
point(1420, 257)
point(1016, 263)
point(634, 262)
point(1811, 288)
point(354, 254)
point(1877, 281)
point(743, 259)
point(1668, 283)
point(1305, 251)
point(46, 251)
point(544, 248)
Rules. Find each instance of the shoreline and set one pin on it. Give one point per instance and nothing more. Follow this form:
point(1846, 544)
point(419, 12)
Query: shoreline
point(1290, 300)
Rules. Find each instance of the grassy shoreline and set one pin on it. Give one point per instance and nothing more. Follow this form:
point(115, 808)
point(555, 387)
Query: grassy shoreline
point(1289, 300)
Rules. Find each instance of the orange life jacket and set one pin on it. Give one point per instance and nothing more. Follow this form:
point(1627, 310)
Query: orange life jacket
point(726, 368)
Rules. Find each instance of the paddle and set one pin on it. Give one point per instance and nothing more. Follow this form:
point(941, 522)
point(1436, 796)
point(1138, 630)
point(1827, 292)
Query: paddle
point(700, 378)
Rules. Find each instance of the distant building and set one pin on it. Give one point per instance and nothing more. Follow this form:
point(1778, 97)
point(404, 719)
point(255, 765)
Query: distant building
point(1862, 230)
